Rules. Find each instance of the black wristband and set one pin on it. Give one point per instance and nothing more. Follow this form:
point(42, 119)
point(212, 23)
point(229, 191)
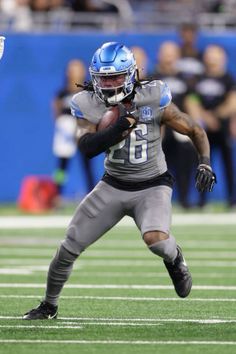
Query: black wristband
point(205, 160)
point(92, 144)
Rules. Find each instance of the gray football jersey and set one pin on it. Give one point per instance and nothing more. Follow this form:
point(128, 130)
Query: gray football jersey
point(139, 156)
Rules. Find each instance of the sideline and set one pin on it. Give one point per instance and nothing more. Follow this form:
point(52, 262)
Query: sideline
point(61, 221)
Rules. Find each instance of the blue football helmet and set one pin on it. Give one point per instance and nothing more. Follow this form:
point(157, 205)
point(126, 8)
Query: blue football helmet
point(113, 72)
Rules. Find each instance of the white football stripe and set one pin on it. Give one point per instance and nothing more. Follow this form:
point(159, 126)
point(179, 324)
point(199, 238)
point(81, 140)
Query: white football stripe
point(115, 286)
point(122, 298)
point(61, 221)
point(121, 342)
point(105, 321)
point(117, 263)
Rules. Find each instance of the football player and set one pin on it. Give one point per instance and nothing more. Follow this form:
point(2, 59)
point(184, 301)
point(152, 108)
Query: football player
point(136, 180)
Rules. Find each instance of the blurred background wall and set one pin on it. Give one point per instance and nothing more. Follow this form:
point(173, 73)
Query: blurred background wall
point(31, 73)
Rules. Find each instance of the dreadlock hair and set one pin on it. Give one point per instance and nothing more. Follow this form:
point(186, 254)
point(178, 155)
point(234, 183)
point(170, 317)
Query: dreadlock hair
point(88, 85)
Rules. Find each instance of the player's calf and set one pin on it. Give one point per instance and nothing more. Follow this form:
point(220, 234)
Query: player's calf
point(161, 244)
point(173, 260)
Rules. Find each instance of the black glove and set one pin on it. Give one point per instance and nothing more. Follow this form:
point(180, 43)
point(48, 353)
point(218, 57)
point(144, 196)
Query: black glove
point(131, 112)
point(205, 178)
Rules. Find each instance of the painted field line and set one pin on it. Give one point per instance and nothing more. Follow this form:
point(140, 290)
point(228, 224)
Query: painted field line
point(61, 221)
point(118, 324)
point(119, 254)
point(113, 243)
point(29, 270)
point(40, 327)
point(114, 286)
point(111, 342)
point(123, 321)
point(123, 298)
point(15, 271)
point(117, 263)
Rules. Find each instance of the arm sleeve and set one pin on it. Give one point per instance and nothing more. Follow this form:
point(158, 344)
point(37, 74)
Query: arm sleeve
point(92, 144)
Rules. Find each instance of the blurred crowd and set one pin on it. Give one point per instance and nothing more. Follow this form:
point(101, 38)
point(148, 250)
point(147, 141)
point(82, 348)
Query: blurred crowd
point(199, 81)
point(102, 5)
point(41, 6)
point(25, 15)
point(202, 87)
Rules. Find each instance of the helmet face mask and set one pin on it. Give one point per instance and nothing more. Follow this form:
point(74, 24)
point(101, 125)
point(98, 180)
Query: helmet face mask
point(112, 71)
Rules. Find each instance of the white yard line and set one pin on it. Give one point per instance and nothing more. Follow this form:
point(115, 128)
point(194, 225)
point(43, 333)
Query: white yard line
point(115, 342)
point(119, 244)
point(122, 298)
point(39, 327)
point(15, 271)
point(122, 321)
point(115, 286)
point(29, 270)
point(118, 324)
point(59, 221)
point(121, 254)
point(117, 263)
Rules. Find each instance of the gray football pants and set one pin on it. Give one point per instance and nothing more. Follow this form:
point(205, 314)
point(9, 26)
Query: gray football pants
point(100, 211)
point(105, 206)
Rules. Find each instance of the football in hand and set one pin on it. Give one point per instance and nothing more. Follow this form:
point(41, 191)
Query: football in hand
point(109, 118)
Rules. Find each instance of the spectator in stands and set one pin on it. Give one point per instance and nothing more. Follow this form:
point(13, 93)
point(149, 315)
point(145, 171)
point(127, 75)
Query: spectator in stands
point(90, 6)
point(39, 5)
point(56, 4)
point(176, 145)
point(64, 145)
point(141, 60)
point(42, 6)
point(18, 13)
point(190, 61)
point(214, 100)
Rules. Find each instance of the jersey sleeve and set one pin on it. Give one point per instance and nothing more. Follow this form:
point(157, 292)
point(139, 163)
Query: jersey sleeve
point(165, 95)
point(75, 109)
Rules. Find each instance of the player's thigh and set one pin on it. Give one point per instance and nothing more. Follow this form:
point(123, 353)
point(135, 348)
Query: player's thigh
point(95, 215)
point(153, 210)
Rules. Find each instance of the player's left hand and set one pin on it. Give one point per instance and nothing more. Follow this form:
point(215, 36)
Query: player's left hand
point(205, 178)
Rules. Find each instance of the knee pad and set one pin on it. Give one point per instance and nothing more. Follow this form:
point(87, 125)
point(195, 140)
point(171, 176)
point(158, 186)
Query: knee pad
point(167, 249)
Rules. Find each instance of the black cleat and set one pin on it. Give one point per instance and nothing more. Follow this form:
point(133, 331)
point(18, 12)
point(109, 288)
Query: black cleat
point(44, 311)
point(180, 275)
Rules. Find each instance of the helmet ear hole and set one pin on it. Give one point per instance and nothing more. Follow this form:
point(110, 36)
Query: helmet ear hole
point(111, 60)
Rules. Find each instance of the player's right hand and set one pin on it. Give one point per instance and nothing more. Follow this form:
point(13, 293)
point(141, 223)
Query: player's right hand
point(205, 178)
point(130, 113)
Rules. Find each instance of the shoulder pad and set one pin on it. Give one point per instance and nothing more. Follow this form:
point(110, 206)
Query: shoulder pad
point(165, 95)
point(75, 109)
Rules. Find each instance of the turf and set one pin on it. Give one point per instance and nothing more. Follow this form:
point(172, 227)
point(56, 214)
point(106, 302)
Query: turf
point(119, 298)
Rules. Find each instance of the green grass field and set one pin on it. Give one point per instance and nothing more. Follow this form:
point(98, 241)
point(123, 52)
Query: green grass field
point(119, 298)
